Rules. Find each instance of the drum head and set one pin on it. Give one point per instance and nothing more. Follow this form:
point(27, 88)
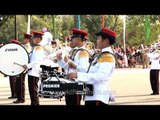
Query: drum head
point(12, 57)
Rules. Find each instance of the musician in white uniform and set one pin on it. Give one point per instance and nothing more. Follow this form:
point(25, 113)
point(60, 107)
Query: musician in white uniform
point(47, 37)
point(154, 72)
point(53, 62)
point(73, 48)
point(26, 42)
point(20, 83)
point(78, 62)
point(68, 46)
point(13, 79)
point(100, 70)
point(36, 59)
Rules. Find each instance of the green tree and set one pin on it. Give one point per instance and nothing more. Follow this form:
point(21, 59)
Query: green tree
point(135, 29)
point(68, 23)
point(93, 24)
point(7, 31)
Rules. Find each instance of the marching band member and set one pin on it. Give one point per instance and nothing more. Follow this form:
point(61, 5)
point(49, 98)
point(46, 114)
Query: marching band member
point(50, 53)
point(20, 83)
point(13, 79)
point(54, 50)
point(78, 62)
point(154, 72)
point(47, 37)
point(71, 51)
point(100, 71)
point(26, 42)
point(36, 58)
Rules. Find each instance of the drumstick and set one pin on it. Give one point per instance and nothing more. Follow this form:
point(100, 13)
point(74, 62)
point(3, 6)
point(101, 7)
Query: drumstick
point(18, 64)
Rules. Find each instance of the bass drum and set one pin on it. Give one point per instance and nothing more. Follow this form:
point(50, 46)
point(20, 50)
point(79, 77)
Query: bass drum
point(13, 56)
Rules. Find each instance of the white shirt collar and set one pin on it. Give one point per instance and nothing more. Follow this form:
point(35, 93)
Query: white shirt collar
point(81, 47)
point(107, 49)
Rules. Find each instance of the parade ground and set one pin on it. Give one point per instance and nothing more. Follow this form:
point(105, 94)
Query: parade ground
point(130, 86)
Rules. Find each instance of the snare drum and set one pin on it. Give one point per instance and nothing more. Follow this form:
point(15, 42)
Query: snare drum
point(54, 87)
point(50, 88)
point(13, 56)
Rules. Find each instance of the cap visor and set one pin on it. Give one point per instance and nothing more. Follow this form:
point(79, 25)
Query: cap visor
point(99, 33)
point(74, 36)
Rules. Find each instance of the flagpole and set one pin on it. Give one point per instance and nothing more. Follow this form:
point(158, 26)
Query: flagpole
point(124, 32)
point(28, 27)
point(124, 40)
point(102, 21)
point(78, 22)
point(54, 26)
point(15, 26)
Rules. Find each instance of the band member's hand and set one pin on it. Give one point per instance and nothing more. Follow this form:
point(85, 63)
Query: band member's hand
point(66, 58)
point(72, 75)
point(72, 65)
point(59, 56)
point(157, 58)
point(24, 66)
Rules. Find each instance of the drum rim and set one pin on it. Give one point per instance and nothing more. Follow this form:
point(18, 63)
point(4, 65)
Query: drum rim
point(27, 55)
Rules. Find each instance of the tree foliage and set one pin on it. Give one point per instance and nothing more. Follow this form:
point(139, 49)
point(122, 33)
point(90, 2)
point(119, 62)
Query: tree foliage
point(135, 30)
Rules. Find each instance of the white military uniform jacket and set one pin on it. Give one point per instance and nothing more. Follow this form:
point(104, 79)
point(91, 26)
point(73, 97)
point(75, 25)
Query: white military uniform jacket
point(27, 47)
point(81, 60)
point(99, 75)
point(155, 60)
point(36, 59)
point(47, 38)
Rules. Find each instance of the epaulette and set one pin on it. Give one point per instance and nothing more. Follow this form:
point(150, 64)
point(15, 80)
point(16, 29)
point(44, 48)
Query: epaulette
point(83, 53)
point(106, 57)
point(102, 57)
point(38, 48)
point(28, 47)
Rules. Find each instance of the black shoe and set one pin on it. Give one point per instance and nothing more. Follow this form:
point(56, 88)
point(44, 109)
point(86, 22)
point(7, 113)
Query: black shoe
point(19, 101)
point(34, 104)
point(154, 93)
point(12, 97)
